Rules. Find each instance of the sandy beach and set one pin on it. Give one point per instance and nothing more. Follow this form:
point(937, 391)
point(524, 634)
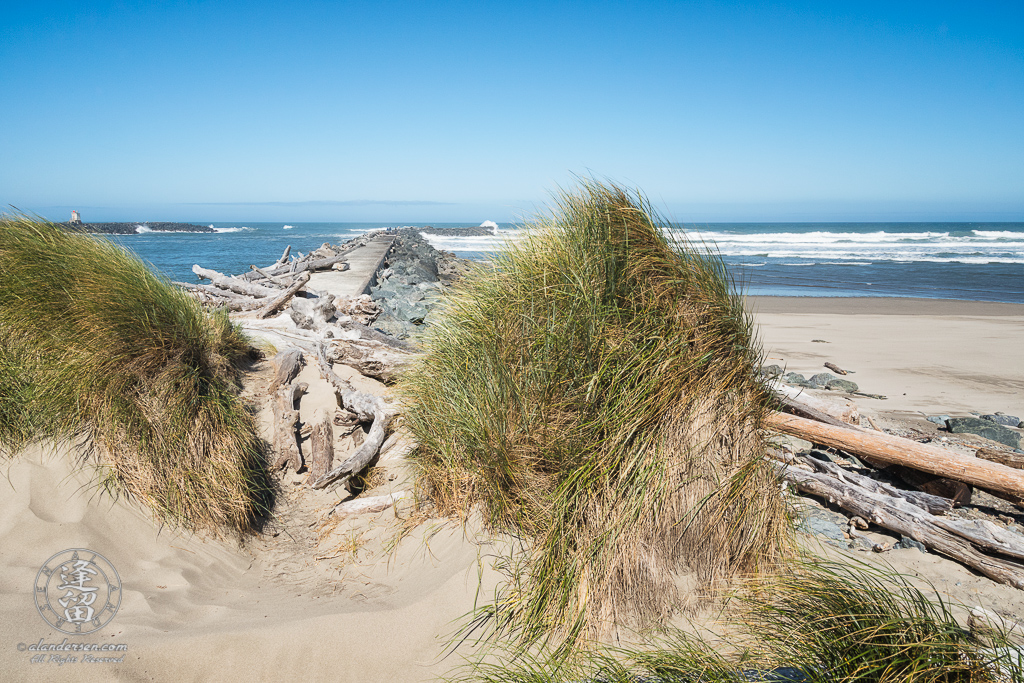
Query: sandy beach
point(289, 607)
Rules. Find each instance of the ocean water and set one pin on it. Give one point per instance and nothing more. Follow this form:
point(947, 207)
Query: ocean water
point(974, 261)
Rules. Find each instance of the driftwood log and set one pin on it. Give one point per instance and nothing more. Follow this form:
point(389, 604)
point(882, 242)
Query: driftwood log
point(935, 505)
point(234, 284)
point(899, 515)
point(884, 448)
point(284, 256)
point(312, 314)
point(286, 417)
point(287, 364)
point(221, 297)
point(371, 358)
point(299, 266)
point(1014, 460)
point(358, 506)
point(355, 330)
point(368, 408)
point(282, 281)
point(282, 298)
point(321, 445)
point(835, 368)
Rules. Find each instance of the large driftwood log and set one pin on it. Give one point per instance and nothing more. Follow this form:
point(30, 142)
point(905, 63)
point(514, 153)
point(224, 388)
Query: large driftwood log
point(234, 284)
point(286, 417)
point(312, 314)
point(884, 448)
point(355, 330)
point(368, 408)
point(287, 364)
point(300, 266)
point(935, 505)
point(321, 451)
point(370, 358)
point(905, 518)
point(1014, 460)
point(358, 506)
point(221, 297)
point(282, 297)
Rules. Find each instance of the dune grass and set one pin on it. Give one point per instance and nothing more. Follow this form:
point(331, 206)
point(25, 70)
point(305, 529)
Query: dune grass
point(822, 623)
point(595, 394)
point(94, 344)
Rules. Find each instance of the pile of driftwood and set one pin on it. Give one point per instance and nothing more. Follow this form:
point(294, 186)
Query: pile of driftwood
point(267, 290)
point(330, 331)
point(986, 547)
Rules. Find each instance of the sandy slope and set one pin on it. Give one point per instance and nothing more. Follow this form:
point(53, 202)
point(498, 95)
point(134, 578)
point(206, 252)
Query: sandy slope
point(277, 610)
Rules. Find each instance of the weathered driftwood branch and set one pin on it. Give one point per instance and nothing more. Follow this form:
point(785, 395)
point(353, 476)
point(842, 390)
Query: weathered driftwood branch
point(367, 407)
point(884, 448)
point(284, 256)
point(1014, 460)
point(300, 266)
point(282, 297)
point(935, 505)
point(321, 441)
point(835, 368)
point(355, 330)
point(282, 281)
point(234, 284)
point(221, 297)
point(358, 506)
point(903, 517)
point(286, 417)
point(311, 314)
point(287, 364)
point(370, 358)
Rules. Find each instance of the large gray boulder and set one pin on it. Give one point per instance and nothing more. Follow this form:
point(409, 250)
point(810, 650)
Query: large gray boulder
point(989, 430)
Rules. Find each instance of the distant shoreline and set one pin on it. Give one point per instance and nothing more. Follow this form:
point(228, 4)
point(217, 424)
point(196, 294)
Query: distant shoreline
point(133, 227)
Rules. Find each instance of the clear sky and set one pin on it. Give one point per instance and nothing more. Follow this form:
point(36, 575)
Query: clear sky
point(465, 111)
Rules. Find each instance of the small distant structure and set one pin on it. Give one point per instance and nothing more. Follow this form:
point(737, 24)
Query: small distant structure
point(75, 218)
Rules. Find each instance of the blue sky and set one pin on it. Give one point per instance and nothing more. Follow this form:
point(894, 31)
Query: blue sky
point(449, 111)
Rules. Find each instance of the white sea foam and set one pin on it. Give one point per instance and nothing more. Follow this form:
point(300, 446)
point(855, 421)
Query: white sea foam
point(288, 227)
point(140, 229)
point(999, 234)
point(490, 224)
point(821, 247)
point(242, 229)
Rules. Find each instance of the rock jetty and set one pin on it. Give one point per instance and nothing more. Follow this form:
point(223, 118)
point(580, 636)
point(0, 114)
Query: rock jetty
point(133, 228)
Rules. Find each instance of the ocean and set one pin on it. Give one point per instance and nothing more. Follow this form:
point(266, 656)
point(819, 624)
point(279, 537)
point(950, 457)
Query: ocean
point(972, 261)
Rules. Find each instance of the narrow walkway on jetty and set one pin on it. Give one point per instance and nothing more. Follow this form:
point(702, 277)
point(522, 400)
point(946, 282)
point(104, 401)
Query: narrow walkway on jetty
point(363, 264)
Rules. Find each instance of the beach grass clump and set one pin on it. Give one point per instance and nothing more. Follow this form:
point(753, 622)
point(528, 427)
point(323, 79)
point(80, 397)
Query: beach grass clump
point(594, 392)
point(94, 344)
point(855, 622)
point(821, 623)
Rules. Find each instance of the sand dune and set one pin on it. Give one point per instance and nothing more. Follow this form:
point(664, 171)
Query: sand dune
point(195, 609)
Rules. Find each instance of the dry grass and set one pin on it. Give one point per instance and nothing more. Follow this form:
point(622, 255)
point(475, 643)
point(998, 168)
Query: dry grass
point(821, 623)
point(93, 344)
point(596, 394)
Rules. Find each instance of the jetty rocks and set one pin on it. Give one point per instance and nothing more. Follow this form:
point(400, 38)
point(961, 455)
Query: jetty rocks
point(411, 282)
point(133, 228)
